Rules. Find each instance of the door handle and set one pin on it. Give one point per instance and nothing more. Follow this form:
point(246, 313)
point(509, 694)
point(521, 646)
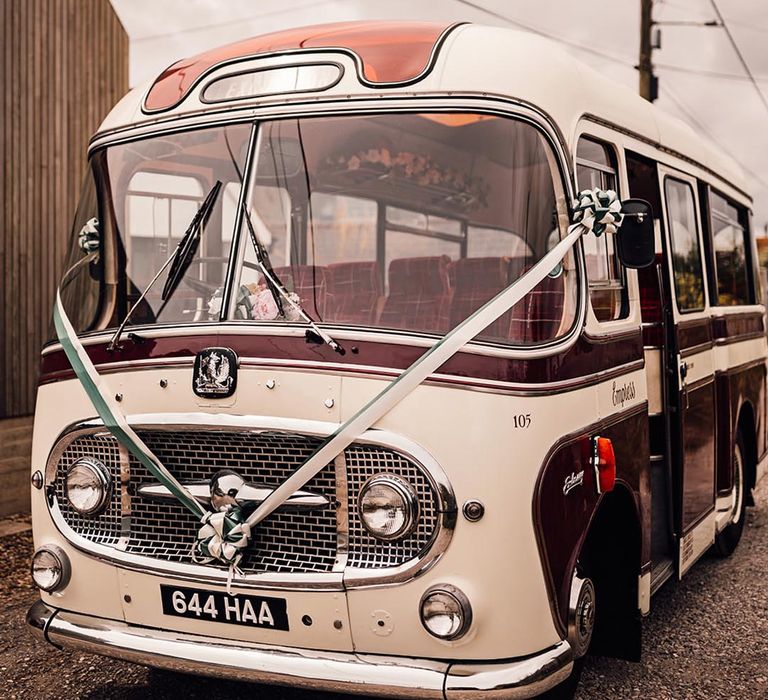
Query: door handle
point(684, 382)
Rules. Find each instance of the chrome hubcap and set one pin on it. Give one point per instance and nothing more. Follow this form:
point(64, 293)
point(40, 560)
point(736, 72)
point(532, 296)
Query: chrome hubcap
point(582, 614)
point(737, 495)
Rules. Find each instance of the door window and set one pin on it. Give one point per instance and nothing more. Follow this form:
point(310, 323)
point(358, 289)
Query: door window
point(607, 287)
point(686, 252)
point(729, 236)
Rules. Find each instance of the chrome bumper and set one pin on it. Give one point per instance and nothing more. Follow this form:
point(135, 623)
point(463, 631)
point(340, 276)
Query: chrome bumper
point(385, 676)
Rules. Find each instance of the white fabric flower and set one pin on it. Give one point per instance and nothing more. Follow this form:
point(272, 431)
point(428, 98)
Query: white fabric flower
point(263, 306)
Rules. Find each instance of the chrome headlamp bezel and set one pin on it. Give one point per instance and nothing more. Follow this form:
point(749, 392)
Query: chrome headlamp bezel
point(64, 570)
point(409, 498)
point(102, 477)
point(463, 607)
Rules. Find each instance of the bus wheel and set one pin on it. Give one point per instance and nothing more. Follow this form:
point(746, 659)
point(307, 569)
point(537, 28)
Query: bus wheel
point(727, 540)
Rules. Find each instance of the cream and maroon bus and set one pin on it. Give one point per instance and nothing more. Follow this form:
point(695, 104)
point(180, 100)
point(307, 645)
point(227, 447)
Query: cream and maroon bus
point(397, 359)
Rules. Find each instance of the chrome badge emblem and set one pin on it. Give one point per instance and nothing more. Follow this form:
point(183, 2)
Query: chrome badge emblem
point(215, 374)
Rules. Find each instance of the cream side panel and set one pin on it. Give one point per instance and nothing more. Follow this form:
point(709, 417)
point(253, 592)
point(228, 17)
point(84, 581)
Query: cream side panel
point(735, 354)
point(621, 393)
point(495, 561)
point(653, 379)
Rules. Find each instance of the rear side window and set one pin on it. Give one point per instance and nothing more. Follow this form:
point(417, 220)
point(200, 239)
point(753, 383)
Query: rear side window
point(729, 246)
point(686, 251)
point(595, 168)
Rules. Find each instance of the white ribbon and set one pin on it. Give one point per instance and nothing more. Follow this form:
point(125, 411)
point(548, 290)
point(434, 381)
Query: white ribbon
point(426, 365)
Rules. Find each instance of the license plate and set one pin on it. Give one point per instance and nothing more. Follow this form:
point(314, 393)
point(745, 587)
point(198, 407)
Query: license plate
point(217, 606)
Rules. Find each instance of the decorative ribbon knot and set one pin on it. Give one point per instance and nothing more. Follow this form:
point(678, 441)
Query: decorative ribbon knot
point(88, 238)
point(223, 537)
point(598, 211)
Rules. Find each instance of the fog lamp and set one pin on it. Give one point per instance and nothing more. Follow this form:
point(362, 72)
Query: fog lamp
point(388, 507)
point(50, 568)
point(445, 612)
point(87, 486)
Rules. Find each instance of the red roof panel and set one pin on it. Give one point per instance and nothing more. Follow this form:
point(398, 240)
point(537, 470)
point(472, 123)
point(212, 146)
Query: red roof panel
point(391, 52)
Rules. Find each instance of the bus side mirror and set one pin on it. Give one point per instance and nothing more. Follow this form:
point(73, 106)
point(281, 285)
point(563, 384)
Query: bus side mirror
point(635, 239)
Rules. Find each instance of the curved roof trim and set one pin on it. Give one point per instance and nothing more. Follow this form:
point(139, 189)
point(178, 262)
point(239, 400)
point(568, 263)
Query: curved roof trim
point(391, 54)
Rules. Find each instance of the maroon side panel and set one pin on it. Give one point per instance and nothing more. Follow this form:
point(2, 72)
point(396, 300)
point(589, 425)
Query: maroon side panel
point(699, 447)
point(562, 520)
point(585, 357)
point(745, 390)
point(735, 327)
point(692, 334)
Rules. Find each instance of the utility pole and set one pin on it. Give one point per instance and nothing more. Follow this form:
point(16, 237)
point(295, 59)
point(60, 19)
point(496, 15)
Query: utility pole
point(649, 83)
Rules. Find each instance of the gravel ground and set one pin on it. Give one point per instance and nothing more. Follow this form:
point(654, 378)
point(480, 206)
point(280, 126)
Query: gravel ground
point(705, 639)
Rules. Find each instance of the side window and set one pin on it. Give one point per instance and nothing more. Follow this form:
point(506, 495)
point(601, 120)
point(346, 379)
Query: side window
point(729, 247)
point(595, 167)
point(686, 253)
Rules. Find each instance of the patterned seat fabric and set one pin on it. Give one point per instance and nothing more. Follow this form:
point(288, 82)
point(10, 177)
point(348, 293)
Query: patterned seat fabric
point(477, 281)
point(539, 314)
point(354, 291)
point(310, 283)
point(419, 294)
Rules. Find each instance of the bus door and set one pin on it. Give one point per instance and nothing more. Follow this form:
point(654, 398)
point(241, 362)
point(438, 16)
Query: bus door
point(690, 376)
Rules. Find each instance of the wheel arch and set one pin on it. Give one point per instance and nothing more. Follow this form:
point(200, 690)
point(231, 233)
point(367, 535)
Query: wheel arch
point(746, 424)
point(611, 555)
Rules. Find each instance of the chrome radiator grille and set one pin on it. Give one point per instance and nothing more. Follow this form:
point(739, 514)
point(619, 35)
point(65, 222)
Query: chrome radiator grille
point(288, 541)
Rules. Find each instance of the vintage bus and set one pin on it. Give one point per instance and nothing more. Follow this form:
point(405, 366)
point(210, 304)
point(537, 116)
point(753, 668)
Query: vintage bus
point(244, 464)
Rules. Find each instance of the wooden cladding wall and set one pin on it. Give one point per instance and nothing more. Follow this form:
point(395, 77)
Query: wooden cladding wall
point(64, 64)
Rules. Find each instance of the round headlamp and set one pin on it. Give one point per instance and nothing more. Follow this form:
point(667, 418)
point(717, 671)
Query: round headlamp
point(50, 568)
point(445, 612)
point(87, 486)
point(388, 507)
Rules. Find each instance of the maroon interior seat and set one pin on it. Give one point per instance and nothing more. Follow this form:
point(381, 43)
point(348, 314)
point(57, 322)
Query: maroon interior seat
point(354, 290)
point(419, 294)
point(537, 317)
point(310, 283)
point(477, 281)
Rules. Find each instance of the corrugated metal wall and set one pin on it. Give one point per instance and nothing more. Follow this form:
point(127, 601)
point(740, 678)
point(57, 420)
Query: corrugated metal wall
point(64, 64)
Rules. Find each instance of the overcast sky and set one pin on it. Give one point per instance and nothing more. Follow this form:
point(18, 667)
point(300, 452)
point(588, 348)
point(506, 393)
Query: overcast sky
point(702, 80)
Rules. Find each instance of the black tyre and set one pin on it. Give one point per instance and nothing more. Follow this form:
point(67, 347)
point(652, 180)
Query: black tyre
point(727, 540)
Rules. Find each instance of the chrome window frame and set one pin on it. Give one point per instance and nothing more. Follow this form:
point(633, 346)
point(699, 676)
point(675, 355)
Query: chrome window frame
point(499, 105)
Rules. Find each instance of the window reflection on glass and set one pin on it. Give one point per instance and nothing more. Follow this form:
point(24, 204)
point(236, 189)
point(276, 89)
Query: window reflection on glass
point(148, 192)
point(410, 222)
point(730, 254)
point(607, 286)
point(686, 252)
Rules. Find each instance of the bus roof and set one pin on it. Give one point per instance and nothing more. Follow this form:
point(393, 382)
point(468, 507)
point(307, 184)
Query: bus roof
point(433, 58)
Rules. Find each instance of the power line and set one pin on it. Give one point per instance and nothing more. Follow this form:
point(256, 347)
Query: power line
point(228, 23)
point(709, 73)
point(736, 48)
point(694, 120)
point(602, 54)
point(541, 32)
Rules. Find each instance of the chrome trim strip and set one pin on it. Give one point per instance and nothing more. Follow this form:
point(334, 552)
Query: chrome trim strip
point(374, 372)
point(249, 493)
point(345, 672)
point(351, 577)
point(525, 678)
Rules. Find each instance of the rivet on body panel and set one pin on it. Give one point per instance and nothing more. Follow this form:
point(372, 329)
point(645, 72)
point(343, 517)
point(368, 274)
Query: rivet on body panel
point(381, 623)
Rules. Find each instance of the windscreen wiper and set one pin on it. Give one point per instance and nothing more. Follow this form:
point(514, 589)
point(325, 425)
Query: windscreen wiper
point(280, 294)
point(179, 260)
